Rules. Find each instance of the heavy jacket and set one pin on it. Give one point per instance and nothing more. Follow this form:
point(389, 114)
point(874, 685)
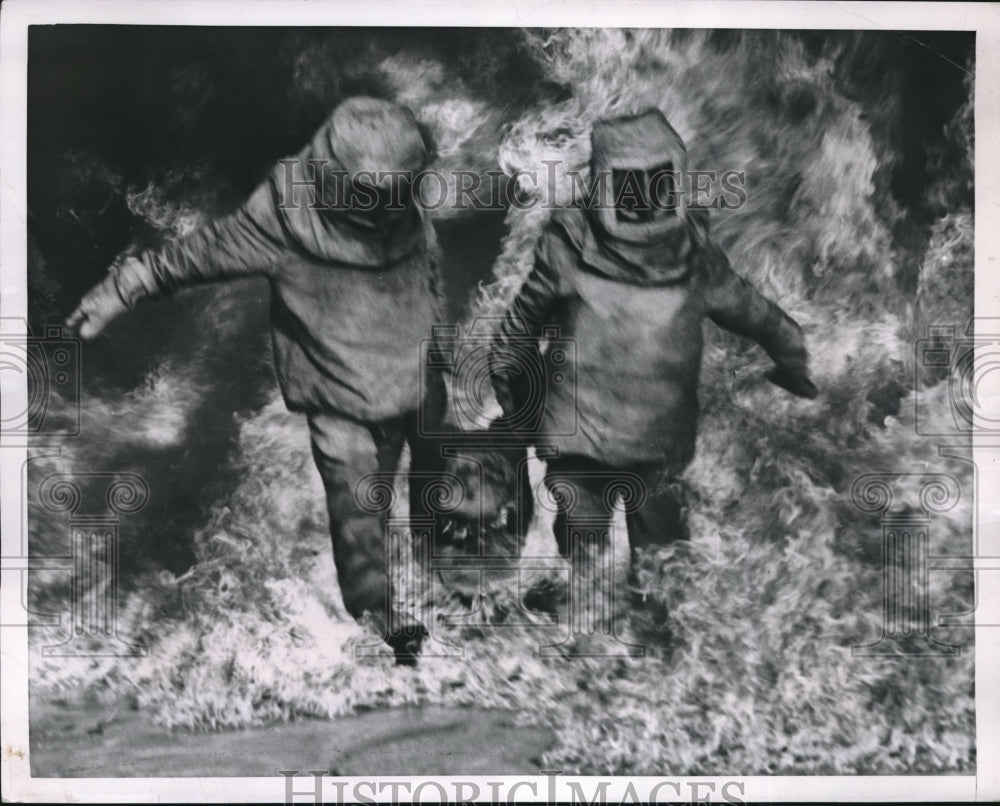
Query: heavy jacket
point(351, 305)
point(634, 321)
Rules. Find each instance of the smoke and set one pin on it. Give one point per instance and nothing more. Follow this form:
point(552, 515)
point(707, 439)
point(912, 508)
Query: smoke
point(783, 574)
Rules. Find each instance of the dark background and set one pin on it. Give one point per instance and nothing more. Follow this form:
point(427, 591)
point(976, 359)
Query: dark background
point(219, 105)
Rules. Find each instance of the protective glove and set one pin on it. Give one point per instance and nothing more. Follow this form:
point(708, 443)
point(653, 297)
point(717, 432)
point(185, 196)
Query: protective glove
point(97, 308)
point(795, 381)
point(505, 397)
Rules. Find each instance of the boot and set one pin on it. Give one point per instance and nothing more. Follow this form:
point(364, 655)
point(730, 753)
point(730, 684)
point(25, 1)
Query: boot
point(543, 597)
point(655, 610)
point(406, 643)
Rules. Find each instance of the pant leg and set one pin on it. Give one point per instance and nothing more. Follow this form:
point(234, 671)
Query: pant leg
point(345, 451)
point(424, 429)
point(583, 530)
point(661, 519)
point(578, 486)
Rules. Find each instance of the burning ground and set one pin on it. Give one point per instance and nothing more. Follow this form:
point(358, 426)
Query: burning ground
point(858, 154)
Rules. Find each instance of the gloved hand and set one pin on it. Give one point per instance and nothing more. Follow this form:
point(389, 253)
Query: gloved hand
point(795, 381)
point(501, 387)
point(97, 308)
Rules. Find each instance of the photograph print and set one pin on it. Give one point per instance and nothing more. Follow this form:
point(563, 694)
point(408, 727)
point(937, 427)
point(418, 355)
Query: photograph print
point(492, 401)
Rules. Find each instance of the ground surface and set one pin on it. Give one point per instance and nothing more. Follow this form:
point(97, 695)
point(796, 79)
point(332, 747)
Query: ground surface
point(98, 742)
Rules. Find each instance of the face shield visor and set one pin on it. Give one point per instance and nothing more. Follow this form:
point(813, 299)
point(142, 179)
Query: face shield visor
point(645, 195)
point(378, 201)
point(638, 164)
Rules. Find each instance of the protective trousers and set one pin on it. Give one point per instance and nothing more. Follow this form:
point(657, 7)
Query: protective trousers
point(346, 451)
point(585, 492)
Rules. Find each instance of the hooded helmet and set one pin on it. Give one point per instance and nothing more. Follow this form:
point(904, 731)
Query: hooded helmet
point(372, 135)
point(375, 148)
point(363, 159)
point(639, 163)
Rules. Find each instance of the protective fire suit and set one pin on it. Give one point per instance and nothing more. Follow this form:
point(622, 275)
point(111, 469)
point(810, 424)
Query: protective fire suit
point(628, 285)
point(353, 298)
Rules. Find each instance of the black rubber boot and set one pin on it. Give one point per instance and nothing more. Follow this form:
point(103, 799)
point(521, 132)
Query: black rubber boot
point(406, 644)
point(654, 609)
point(644, 603)
point(542, 597)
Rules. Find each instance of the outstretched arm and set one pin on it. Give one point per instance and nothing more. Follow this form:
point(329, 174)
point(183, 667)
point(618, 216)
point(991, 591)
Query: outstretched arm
point(736, 305)
point(248, 241)
point(523, 323)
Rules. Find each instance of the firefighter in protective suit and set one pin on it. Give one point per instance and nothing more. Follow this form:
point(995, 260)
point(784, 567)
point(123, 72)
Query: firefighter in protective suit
point(353, 296)
point(630, 280)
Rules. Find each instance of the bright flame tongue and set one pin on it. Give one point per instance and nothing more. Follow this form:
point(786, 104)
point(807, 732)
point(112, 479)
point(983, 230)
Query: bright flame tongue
point(810, 226)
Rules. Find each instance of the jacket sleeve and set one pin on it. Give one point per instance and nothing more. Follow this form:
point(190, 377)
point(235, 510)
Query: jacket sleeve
point(524, 320)
point(733, 303)
point(246, 242)
point(433, 261)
